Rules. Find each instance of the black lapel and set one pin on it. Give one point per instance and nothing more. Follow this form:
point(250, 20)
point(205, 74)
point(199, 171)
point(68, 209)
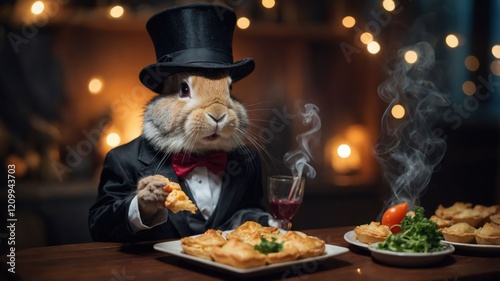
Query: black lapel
point(157, 163)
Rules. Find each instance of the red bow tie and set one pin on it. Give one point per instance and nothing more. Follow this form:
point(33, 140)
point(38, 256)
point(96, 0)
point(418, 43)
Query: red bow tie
point(184, 163)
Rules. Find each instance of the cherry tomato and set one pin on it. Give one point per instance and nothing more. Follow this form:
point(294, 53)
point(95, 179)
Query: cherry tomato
point(395, 215)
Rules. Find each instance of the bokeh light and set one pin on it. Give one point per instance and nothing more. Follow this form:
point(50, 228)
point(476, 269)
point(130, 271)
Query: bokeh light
point(389, 5)
point(495, 51)
point(366, 37)
point(411, 57)
point(113, 139)
point(243, 23)
point(116, 12)
point(373, 47)
point(452, 41)
point(398, 111)
point(471, 63)
point(348, 21)
point(344, 150)
point(469, 88)
point(268, 3)
point(37, 7)
point(495, 67)
point(95, 86)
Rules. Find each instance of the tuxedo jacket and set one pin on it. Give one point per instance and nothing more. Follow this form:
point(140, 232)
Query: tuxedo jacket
point(125, 165)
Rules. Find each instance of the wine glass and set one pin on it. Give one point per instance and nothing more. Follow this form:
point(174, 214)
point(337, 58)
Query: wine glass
point(285, 195)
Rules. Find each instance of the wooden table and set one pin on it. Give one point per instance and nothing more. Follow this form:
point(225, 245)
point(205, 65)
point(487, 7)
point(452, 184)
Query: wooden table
point(123, 262)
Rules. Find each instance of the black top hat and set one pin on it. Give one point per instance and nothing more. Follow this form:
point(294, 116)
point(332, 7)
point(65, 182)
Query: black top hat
point(195, 37)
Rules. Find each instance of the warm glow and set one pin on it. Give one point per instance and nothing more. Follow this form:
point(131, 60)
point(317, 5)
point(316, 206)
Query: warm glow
point(116, 12)
point(348, 21)
point(344, 150)
point(411, 57)
point(268, 3)
point(495, 50)
point(469, 88)
point(113, 139)
point(243, 23)
point(495, 67)
point(398, 111)
point(95, 86)
point(366, 37)
point(373, 47)
point(452, 41)
point(389, 5)
point(37, 7)
point(471, 63)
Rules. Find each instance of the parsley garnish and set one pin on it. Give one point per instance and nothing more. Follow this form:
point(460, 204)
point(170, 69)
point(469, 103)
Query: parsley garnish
point(418, 235)
point(267, 246)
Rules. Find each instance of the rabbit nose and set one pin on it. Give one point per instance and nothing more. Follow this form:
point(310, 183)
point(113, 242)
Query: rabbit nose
point(217, 119)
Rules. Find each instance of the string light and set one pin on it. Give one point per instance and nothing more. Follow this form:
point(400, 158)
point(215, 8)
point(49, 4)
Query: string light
point(116, 11)
point(373, 47)
point(113, 139)
point(95, 86)
point(366, 37)
point(471, 63)
point(452, 41)
point(389, 5)
point(495, 50)
point(37, 7)
point(243, 23)
point(348, 21)
point(344, 150)
point(411, 57)
point(398, 111)
point(495, 67)
point(469, 88)
point(268, 3)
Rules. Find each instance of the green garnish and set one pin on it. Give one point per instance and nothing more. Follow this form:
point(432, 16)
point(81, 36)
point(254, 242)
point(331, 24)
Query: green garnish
point(418, 235)
point(267, 246)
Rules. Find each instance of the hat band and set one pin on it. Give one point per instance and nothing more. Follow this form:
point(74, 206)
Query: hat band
point(198, 55)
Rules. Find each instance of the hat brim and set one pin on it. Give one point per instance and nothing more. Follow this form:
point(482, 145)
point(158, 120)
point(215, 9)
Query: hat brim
point(153, 76)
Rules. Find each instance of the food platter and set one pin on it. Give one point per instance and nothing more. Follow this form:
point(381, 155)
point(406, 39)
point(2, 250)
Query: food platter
point(174, 248)
point(474, 247)
point(410, 259)
point(350, 237)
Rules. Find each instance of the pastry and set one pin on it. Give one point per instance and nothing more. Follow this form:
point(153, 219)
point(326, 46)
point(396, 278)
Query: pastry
point(177, 200)
point(201, 246)
point(308, 246)
point(489, 234)
point(461, 232)
point(372, 233)
point(440, 222)
point(238, 254)
point(448, 213)
point(249, 228)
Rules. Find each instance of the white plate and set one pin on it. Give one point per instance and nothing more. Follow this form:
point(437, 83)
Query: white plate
point(474, 247)
point(350, 237)
point(410, 259)
point(174, 248)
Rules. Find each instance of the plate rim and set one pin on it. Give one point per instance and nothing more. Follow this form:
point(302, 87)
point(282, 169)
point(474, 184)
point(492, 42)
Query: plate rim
point(176, 250)
point(354, 242)
point(450, 249)
point(473, 247)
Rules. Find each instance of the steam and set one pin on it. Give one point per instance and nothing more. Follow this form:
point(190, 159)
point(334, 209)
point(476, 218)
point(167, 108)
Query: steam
point(298, 160)
point(408, 151)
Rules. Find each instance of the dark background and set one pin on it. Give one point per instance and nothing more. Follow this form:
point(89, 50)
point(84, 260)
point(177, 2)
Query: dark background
point(53, 130)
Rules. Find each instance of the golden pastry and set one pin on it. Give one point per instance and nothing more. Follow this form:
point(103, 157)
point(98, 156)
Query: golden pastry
point(495, 219)
point(238, 254)
point(489, 234)
point(461, 232)
point(441, 223)
point(471, 216)
point(372, 233)
point(308, 246)
point(202, 246)
point(448, 213)
point(177, 200)
point(249, 228)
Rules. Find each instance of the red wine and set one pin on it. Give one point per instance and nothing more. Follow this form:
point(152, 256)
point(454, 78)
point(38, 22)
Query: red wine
point(284, 209)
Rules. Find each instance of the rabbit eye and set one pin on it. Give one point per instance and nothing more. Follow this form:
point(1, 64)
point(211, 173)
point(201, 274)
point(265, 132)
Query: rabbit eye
point(185, 91)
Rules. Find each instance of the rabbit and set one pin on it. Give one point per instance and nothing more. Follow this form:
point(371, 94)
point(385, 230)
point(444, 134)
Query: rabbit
point(195, 113)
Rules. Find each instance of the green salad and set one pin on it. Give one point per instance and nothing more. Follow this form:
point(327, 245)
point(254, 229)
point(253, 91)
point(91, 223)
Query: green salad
point(418, 235)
